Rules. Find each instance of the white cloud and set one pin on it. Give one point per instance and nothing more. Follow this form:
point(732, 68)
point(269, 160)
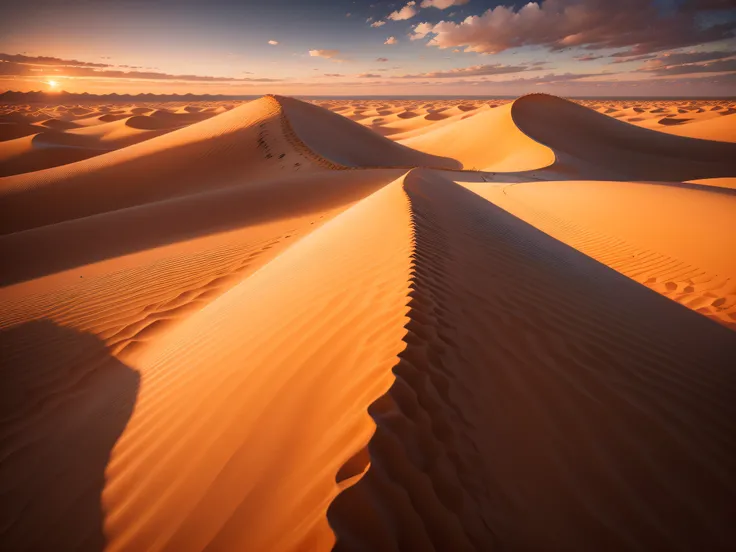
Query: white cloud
point(273, 42)
point(561, 24)
point(378, 24)
point(421, 30)
point(391, 41)
point(332, 55)
point(407, 12)
point(443, 4)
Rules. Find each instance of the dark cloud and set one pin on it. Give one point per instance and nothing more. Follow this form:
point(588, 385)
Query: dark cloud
point(628, 58)
point(83, 70)
point(588, 57)
point(720, 66)
point(46, 60)
point(706, 5)
point(680, 58)
point(382, 59)
point(594, 24)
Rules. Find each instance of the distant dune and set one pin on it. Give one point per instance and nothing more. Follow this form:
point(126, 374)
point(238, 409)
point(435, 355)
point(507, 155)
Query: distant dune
point(285, 325)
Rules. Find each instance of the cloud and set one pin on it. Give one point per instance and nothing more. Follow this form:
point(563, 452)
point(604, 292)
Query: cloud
point(378, 24)
point(407, 12)
point(333, 75)
point(41, 66)
point(550, 78)
point(273, 42)
point(368, 76)
point(443, 4)
point(588, 57)
point(473, 71)
point(561, 24)
point(723, 66)
point(391, 41)
point(382, 59)
point(46, 60)
point(628, 59)
point(332, 55)
point(686, 63)
point(681, 58)
point(706, 5)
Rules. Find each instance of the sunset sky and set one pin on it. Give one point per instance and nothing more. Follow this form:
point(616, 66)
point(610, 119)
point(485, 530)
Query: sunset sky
point(373, 47)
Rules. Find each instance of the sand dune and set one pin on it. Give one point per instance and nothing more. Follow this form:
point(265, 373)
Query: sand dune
point(670, 238)
point(349, 144)
point(722, 129)
point(286, 325)
point(247, 142)
point(654, 114)
point(540, 131)
point(38, 151)
point(489, 141)
point(596, 146)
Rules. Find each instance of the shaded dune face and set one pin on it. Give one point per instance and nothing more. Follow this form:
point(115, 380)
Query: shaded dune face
point(65, 402)
point(349, 144)
point(605, 145)
point(369, 325)
point(500, 307)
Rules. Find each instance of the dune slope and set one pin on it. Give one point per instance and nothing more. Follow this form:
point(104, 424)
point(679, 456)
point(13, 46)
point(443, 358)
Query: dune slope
point(543, 401)
point(267, 451)
point(593, 145)
point(488, 141)
point(349, 144)
point(670, 238)
point(248, 335)
point(722, 128)
point(241, 146)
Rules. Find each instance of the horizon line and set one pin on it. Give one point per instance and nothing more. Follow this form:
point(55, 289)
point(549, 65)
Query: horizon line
point(191, 95)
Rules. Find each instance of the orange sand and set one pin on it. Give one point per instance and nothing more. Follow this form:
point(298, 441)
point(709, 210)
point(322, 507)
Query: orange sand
point(368, 325)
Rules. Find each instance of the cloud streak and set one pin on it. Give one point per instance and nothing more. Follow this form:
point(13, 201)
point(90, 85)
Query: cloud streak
point(46, 60)
point(48, 67)
point(473, 71)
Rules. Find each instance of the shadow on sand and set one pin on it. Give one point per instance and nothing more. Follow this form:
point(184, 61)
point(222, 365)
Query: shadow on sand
point(64, 402)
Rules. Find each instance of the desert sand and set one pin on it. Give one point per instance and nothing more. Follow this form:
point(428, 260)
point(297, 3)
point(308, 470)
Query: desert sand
point(284, 325)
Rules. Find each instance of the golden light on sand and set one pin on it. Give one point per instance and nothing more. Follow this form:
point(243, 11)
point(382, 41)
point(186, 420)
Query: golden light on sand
point(420, 324)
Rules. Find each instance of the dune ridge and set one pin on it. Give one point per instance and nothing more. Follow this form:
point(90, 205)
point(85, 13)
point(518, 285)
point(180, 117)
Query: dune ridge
point(277, 329)
point(597, 146)
point(246, 142)
point(436, 478)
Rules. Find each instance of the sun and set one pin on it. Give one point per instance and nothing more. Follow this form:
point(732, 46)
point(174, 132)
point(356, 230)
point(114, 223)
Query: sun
point(52, 84)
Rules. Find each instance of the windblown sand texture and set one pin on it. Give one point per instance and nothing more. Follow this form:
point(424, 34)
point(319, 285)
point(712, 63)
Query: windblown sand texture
point(368, 325)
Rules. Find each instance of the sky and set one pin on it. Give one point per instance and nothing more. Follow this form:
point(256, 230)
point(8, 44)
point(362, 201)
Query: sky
point(376, 47)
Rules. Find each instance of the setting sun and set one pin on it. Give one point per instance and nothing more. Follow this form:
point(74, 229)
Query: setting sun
point(53, 84)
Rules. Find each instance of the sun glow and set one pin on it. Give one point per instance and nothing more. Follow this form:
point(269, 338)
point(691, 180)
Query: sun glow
point(53, 85)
